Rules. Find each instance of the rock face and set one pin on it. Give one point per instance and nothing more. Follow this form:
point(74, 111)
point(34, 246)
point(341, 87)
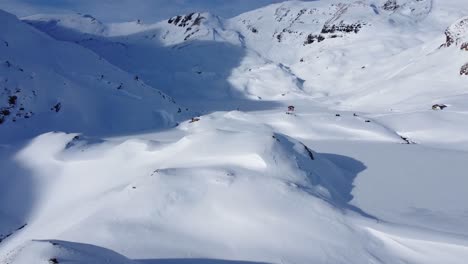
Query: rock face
point(464, 46)
point(390, 5)
point(190, 20)
point(464, 69)
point(192, 26)
point(438, 107)
point(457, 34)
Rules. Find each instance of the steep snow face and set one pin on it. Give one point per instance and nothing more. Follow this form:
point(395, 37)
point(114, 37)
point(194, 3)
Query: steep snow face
point(50, 85)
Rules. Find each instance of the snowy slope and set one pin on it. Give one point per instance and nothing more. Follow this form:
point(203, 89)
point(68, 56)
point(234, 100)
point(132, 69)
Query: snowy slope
point(362, 170)
point(224, 187)
point(183, 42)
point(50, 85)
point(301, 48)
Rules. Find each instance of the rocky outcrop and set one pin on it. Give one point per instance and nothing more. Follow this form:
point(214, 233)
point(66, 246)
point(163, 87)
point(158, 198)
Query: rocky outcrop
point(187, 21)
point(390, 5)
point(330, 31)
point(464, 46)
point(457, 34)
point(438, 107)
point(464, 69)
point(342, 28)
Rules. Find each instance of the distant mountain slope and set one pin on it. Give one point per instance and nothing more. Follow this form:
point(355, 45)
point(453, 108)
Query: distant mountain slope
point(191, 57)
point(47, 84)
point(307, 48)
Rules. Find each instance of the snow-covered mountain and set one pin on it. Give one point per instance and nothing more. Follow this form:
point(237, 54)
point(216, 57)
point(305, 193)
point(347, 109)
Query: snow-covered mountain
point(292, 48)
point(307, 132)
point(52, 85)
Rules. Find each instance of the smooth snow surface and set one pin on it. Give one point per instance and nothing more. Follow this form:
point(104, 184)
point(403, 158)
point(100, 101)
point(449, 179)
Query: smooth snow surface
point(172, 143)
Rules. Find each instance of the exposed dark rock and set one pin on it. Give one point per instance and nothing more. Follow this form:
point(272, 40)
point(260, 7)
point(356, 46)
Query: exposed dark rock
point(438, 107)
point(56, 107)
point(314, 38)
point(191, 34)
point(174, 20)
point(5, 112)
point(12, 100)
point(464, 69)
point(279, 37)
point(341, 27)
point(186, 21)
point(194, 119)
point(198, 20)
point(5, 236)
point(464, 46)
point(457, 34)
point(407, 140)
point(391, 5)
point(309, 152)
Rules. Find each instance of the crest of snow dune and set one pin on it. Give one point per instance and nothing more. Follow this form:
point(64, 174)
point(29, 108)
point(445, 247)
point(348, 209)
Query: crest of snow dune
point(225, 171)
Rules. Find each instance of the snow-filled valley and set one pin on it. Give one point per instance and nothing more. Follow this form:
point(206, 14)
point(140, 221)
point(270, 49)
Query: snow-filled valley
point(331, 131)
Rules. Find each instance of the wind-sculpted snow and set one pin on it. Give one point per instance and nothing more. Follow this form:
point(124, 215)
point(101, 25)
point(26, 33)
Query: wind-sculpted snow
point(310, 132)
point(223, 187)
